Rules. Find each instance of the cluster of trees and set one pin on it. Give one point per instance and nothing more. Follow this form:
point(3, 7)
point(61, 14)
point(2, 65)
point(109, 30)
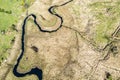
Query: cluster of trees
point(3, 10)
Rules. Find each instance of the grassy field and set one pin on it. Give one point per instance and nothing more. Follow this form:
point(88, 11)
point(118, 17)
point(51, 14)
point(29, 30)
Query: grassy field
point(10, 10)
point(108, 16)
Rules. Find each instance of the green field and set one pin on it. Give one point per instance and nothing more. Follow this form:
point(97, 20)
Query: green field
point(108, 16)
point(10, 10)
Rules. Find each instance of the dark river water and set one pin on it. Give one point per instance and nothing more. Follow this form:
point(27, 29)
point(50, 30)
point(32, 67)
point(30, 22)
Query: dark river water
point(36, 71)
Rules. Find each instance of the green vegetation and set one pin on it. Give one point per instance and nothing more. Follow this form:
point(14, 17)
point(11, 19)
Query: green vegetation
point(5, 45)
point(107, 14)
point(110, 78)
point(54, 10)
point(2, 10)
point(9, 15)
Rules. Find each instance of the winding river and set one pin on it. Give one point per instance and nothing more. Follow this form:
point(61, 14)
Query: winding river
point(36, 71)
